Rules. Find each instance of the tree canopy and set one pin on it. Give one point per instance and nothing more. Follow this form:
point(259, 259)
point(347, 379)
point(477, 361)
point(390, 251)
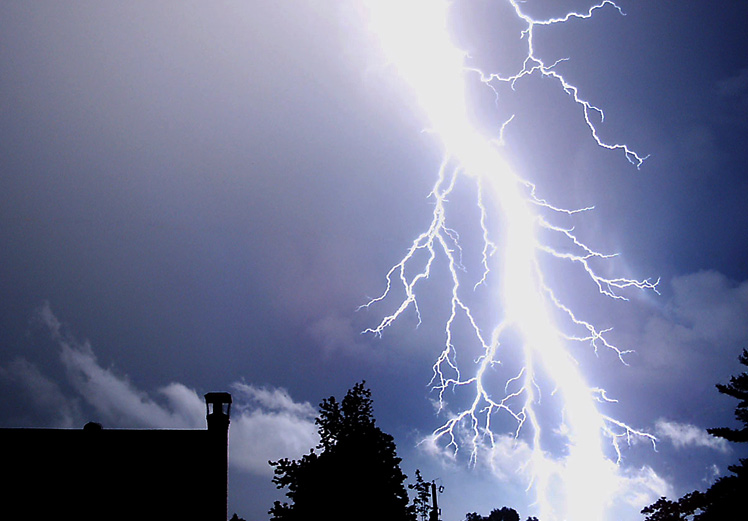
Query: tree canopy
point(726, 498)
point(497, 514)
point(353, 472)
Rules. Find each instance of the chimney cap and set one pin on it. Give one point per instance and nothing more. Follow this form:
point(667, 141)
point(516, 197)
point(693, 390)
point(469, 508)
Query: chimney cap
point(218, 397)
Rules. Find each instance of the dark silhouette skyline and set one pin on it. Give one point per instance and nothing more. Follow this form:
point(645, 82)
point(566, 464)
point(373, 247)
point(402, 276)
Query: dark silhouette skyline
point(99, 473)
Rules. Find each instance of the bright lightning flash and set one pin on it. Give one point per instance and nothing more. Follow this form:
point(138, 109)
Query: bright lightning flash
point(414, 37)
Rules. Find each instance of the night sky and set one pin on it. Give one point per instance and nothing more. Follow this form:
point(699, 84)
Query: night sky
point(198, 196)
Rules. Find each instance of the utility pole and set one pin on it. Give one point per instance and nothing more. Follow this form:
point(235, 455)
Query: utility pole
point(434, 505)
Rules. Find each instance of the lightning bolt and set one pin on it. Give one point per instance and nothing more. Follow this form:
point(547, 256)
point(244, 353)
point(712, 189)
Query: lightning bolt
point(414, 36)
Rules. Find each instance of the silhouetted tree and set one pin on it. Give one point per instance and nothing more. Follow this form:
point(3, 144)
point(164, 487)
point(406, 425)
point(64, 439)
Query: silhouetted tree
point(665, 510)
point(726, 498)
point(737, 388)
point(503, 514)
point(236, 518)
point(422, 499)
point(354, 473)
point(497, 514)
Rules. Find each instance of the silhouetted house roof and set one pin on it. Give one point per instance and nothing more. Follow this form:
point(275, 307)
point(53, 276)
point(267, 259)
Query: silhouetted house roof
point(106, 474)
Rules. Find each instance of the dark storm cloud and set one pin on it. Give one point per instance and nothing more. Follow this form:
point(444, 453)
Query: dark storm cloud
point(174, 156)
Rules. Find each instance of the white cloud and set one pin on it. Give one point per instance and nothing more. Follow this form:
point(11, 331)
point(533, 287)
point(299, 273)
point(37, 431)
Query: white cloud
point(683, 435)
point(258, 436)
point(45, 394)
point(621, 491)
point(270, 426)
point(713, 473)
point(275, 399)
point(266, 424)
point(637, 488)
point(116, 399)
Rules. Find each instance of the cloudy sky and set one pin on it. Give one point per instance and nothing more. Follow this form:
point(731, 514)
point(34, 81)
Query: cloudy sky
point(198, 196)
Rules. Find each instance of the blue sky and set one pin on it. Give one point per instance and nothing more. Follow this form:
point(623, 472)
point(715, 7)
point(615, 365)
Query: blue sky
point(198, 197)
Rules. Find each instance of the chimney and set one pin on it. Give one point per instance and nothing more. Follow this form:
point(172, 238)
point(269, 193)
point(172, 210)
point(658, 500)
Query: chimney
point(218, 411)
point(218, 417)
